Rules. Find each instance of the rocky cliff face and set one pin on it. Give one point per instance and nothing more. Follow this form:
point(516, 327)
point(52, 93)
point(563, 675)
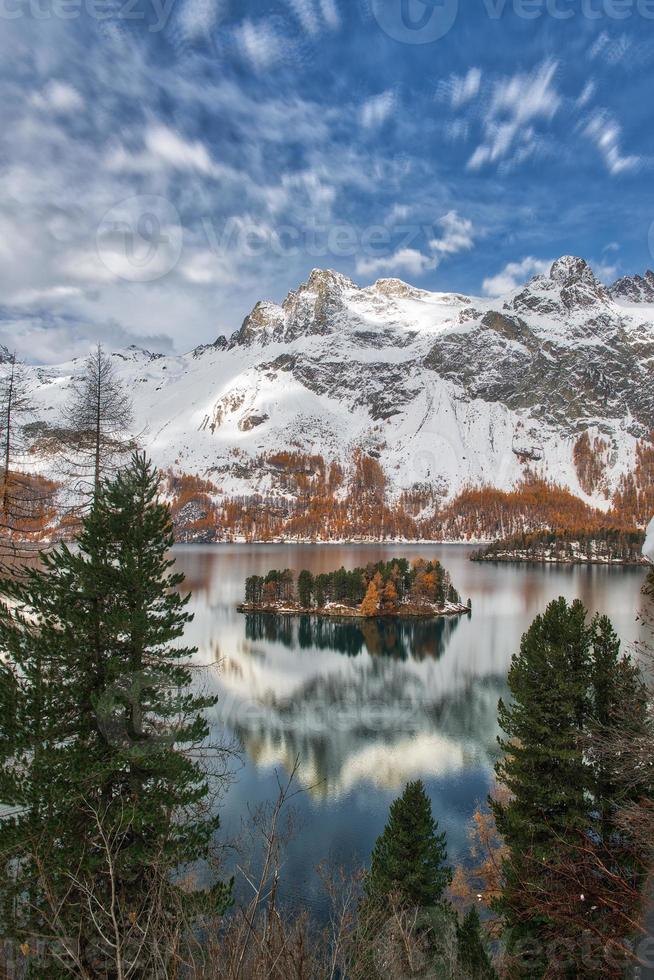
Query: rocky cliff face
point(634, 289)
point(559, 349)
point(442, 389)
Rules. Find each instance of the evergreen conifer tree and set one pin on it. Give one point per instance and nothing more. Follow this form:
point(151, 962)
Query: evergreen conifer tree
point(543, 763)
point(568, 683)
point(473, 959)
point(304, 588)
point(99, 717)
point(410, 857)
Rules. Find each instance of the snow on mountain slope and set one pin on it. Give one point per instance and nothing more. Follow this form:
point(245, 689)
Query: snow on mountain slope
point(442, 389)
point(648, 547)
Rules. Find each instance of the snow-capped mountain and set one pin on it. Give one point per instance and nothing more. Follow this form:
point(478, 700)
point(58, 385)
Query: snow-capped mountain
point(440, 388)
point(636, 289)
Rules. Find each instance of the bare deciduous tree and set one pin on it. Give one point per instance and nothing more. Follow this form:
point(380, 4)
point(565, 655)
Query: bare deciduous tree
point(98, 417)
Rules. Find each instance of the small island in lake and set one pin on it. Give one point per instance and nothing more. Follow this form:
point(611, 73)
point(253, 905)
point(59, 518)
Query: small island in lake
point(394, 588)
point(601, 546)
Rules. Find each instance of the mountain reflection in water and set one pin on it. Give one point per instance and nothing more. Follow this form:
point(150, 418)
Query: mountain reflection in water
point(366, 706)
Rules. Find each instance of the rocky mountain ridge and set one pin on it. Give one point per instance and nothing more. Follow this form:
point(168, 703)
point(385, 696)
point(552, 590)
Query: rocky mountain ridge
point(443, 390)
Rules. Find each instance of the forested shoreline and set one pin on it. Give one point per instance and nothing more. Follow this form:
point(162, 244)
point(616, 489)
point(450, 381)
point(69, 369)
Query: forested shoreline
point(393, 588)
point(603, 546)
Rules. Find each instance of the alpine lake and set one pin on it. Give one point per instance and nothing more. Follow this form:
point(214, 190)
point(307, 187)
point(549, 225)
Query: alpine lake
point(367, 705)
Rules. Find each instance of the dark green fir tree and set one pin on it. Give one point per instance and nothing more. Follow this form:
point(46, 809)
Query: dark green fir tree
point(105, 785)
point(305, 588)
point(572, 693)
point(472, 954)
point(410, 856)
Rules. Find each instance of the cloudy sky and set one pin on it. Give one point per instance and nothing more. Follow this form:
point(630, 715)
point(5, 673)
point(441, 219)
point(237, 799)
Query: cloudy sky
point(166, 163)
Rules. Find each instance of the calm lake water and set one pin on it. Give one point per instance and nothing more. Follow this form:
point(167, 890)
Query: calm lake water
point(369, 707)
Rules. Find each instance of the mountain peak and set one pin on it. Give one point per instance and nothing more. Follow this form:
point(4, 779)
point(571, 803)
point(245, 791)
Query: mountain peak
point(397, 287)
point(571, 268)
point(326, 279)
point(634, 289)
point(571, 285)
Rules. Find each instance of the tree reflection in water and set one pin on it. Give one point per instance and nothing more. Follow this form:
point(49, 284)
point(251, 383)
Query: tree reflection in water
point(399, 639)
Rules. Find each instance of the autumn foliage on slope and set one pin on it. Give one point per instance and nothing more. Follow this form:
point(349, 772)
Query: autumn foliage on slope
point(192, 506)
point(27, 511)
point(308, 498)
point(311, 500)
point(634, 498)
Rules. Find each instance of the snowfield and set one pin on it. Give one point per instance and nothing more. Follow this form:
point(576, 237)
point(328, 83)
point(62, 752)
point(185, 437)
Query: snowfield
point(442, 389)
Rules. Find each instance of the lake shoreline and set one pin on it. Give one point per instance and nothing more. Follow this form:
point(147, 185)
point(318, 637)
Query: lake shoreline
point(518, 559)
point(339, 611)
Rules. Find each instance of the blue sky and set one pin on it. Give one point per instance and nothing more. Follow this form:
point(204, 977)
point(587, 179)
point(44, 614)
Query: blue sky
point(166, 163)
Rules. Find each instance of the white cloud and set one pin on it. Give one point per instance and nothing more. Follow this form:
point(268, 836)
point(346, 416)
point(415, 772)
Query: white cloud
point(606, 271)
point(456, 237)
point(611, 50)
point(313, 14)
point(377, 109)
point(330, 14)
point(515, 103)
point(397, 214)
point(457, 130)
point(44, 338)
point(170, 147)
point(58, 97)
point(199, 17)
point(515, 274)
point(260, 44)
point(306, 13)
point(409, 260)
point(205, 268)
point(164, 147)
point(464, 88)
point(587, 93)
point(606, 135)
point(607, 268)
point(31, 297)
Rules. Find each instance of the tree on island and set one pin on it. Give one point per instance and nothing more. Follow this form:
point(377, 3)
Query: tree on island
point(389, 597)
point(304, 588)
point(104, 784)
point(370, 604)
point(397, 583)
